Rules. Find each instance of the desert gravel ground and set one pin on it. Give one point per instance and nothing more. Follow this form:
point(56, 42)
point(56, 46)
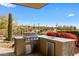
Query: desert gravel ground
point(6, 49)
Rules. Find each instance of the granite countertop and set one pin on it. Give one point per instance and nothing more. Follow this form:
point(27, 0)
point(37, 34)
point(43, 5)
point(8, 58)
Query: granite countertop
point(55, 38)
point(19, 37)
point(49, 38)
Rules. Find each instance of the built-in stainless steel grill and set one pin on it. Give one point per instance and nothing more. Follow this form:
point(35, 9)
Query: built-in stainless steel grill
point(30, 36)
point(30, 39)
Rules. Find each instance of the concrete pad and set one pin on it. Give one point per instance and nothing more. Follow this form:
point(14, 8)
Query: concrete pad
point(76, 54)
point(6, 51)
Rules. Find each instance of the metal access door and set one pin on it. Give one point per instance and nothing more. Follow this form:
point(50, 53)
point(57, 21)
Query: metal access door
point(51, 49)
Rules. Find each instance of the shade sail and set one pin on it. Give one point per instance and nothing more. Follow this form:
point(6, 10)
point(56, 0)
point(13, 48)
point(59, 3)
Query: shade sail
point(32, 5)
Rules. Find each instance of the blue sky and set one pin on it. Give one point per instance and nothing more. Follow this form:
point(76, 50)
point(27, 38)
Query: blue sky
point(51, 14)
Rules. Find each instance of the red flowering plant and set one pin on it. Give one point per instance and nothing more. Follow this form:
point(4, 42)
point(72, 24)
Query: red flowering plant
point(52, 34)
point(72, 36)
point(64, 35)
point(56, 34)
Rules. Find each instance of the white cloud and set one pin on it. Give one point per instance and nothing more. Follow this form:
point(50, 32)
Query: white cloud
point(7, 5)
point(71, 14)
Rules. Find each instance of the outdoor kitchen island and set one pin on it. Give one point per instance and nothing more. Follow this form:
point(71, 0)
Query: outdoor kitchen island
point(47, 46)
point(55, 46)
